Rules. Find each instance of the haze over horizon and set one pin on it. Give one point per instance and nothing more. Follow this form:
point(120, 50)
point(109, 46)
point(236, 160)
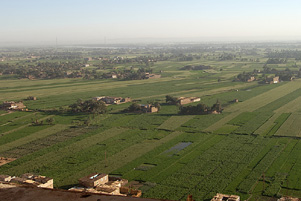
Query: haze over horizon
point(92, 21)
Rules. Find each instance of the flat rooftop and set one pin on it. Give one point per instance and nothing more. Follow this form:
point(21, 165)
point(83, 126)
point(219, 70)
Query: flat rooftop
point(10, 192)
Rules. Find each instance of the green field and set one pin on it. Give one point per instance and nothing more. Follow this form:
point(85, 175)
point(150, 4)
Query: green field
point(169, 154)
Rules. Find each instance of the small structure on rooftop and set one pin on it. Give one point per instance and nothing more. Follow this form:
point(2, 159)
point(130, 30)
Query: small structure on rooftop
point(288, 198)
point(130, 192)
point(103, 184)
point(224, 197)
point(189, 198)
point(38, 180)
point(29, 179)
point(5, 178)
point(93, 180)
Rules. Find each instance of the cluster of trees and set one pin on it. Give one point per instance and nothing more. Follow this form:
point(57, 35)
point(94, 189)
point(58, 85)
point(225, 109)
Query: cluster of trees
point(88, 106)
point(54, 70)
point(276, 61)
point(269, 70)
point(36, 122)
point(44, 70)
point(287, 74)
point(284, 75)
point(124, 74)
point(134, 75)
point(136, 108)
point(286, 54)
point(199, 67)
point(141, 60)
point(201, 109)
point(227, 56)
point(245, 76)
point(171, 100)
point(188, 57)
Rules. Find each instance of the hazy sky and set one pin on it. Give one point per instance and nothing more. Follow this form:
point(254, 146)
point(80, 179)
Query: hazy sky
point(93, 20)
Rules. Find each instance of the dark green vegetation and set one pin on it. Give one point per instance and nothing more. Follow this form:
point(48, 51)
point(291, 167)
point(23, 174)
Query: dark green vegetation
point(201, 109)
point(88, 106)
point(252, 148)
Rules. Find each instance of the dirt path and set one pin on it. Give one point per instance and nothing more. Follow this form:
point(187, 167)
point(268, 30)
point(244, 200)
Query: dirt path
point(6, 113)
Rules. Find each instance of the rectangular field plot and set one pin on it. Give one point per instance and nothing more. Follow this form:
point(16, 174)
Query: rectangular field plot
point(291, 126)
point(242, 118)
point(35, 136)
point(146, 121)
point(174, 122)
point(226, 129)
point(201, 122)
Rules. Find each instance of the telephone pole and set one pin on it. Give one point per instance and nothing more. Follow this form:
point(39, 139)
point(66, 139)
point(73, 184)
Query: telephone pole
point(263, 181)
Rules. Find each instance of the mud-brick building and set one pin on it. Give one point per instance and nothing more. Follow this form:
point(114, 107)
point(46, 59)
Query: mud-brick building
point(11, 105)
point(94, 180)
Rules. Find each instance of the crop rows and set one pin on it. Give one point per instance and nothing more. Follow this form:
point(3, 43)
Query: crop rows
point(10, 117)
point(52, 157)
point(37, 135)
point(166, 164)
point(20, 133)
point(291, 126)
point(146, 121)
point(242, 118)
point(259, 169)
point(43, 146)
point(201, 122)
point(19, 122)
point(253, 124)
point(277, 124)
point(125, 155)
point(211, 171)
point(264, 103)
point(174, 122)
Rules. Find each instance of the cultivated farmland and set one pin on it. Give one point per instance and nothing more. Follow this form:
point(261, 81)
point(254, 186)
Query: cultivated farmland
point(251, 149)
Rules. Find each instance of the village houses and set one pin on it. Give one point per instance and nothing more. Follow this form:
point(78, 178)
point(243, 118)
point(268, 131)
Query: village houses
point(102, 183)
point(148, 108)
point(28, 179)
point(112, 100)
point(272, 80)
point(11, 105)
point(187, 100)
